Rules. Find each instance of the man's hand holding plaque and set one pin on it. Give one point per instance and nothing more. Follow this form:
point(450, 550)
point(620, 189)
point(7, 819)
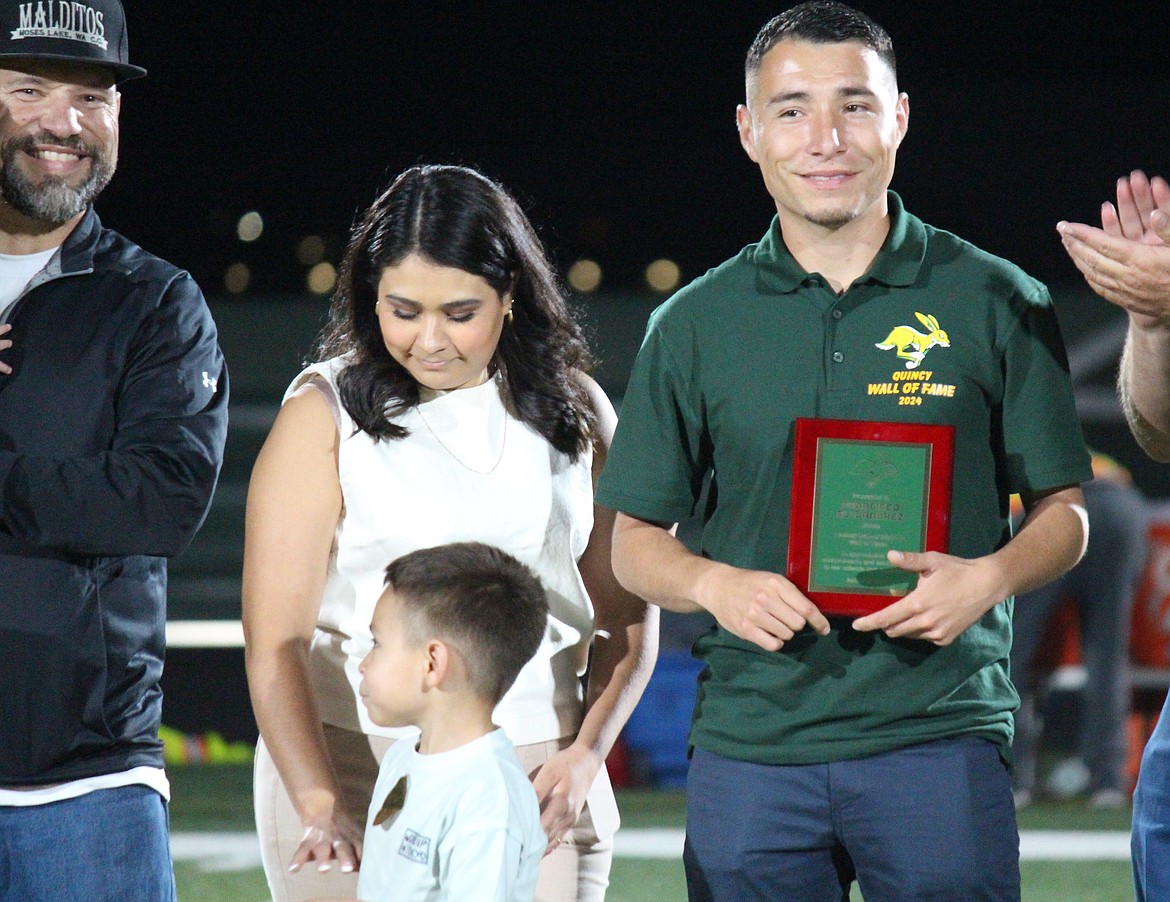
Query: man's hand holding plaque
point(951, 595)
point(760, 607)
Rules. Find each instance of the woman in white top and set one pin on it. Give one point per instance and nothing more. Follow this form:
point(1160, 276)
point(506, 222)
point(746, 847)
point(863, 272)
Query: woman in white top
point(450, 403)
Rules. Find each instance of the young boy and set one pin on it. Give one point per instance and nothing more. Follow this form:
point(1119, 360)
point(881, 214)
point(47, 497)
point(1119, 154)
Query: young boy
point(455, 817)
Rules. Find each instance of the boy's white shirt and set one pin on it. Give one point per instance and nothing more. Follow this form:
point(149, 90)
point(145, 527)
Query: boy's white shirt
point(469, 829)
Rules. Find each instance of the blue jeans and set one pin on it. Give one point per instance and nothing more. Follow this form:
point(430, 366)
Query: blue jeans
point(1150, 842)
point(932, 821)
point(107, 846)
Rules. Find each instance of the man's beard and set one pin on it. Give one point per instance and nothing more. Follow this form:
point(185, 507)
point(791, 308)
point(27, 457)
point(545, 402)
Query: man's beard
point(832, 221)
point(54, 200)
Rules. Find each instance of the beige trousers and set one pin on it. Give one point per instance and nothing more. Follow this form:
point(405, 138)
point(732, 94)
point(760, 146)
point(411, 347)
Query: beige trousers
point(576, 871)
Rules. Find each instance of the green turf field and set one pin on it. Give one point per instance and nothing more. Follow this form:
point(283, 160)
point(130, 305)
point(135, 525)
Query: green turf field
point(210, 800)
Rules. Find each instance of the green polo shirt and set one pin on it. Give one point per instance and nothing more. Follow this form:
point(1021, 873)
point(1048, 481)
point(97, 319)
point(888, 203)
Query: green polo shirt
point(729, 363)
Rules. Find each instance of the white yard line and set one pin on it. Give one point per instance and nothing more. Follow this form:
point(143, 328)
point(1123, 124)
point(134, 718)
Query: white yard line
point(241, 851)
point(218, 851)
point(205, 634)
point(1074, 845)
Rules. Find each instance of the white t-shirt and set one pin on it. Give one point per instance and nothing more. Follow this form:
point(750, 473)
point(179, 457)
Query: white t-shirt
point(469, 828)
point(15, 272)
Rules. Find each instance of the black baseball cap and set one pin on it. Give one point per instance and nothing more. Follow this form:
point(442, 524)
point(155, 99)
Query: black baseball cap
point(67, 31)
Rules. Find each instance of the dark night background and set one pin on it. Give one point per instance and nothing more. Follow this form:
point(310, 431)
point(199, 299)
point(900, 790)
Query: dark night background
point(612, 122)
point(614, 125)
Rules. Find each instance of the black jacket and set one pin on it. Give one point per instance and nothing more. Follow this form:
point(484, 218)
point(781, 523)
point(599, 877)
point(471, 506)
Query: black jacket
point(112, 427)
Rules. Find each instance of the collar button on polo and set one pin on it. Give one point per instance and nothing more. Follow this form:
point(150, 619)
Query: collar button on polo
point(838, 357)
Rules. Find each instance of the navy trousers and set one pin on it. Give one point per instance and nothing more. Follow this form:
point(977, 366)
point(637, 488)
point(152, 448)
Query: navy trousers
point(933, 821)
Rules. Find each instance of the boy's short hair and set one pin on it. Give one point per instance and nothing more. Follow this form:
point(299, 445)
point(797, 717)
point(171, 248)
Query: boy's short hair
point(483, 601)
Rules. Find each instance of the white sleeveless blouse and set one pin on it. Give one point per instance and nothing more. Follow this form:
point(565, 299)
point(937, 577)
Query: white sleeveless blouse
point(434, 487)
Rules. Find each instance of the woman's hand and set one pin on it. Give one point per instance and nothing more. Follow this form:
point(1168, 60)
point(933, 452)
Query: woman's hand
point(562, 785)
point(327, 839)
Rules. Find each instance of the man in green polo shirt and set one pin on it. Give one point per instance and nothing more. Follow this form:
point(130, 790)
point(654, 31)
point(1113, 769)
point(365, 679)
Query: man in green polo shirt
point(828, 750)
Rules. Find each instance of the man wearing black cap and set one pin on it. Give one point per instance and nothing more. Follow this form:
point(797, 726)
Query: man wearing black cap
point(113, 413)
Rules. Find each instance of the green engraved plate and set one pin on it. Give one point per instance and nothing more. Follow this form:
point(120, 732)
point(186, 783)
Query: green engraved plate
point(869, 497)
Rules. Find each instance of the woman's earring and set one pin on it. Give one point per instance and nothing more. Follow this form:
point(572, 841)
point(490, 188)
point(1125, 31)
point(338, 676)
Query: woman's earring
point(509, 316)
point(377, 307)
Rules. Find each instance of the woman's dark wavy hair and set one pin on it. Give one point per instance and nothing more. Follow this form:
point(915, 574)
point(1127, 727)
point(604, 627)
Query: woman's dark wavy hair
point(454, 216)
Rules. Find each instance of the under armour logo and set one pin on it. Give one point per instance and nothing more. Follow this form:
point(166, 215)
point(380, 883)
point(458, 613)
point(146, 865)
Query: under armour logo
point(208, 382)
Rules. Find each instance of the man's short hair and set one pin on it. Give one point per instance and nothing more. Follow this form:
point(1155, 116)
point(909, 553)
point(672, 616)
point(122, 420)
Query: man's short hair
point(481, 600)
point(821, 22)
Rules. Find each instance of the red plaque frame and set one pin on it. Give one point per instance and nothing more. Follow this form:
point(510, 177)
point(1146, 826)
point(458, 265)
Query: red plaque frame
point(810, 433)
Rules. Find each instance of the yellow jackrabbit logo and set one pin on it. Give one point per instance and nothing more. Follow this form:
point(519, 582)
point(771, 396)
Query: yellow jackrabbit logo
point(912, 345)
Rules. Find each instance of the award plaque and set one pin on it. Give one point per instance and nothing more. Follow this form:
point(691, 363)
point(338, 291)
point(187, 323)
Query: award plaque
point(860, 489)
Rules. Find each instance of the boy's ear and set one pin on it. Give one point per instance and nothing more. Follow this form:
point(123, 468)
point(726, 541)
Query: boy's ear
point(438, 662)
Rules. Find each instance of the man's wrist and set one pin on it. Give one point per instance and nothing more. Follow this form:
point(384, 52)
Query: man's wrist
point(1145, 327)
point(705, 592)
